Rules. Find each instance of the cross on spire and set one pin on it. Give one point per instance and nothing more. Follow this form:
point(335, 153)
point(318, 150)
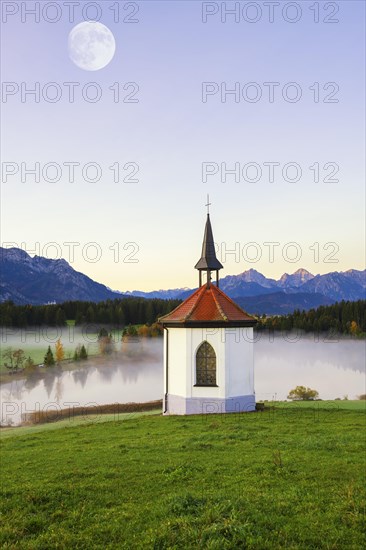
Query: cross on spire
point(208, 261)
point(208, 204)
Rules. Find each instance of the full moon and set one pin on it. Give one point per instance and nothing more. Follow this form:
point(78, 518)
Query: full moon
point(91, 45)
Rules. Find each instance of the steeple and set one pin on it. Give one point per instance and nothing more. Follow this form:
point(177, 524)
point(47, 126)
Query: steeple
point(204, 371)
point(208, 261)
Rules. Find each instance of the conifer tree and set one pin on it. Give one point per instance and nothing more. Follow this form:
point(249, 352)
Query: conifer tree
point(29, 364)
point(49, 360)
point(83, 353)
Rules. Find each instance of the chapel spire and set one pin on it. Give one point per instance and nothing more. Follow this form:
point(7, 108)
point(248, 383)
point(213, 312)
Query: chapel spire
point(208, 261)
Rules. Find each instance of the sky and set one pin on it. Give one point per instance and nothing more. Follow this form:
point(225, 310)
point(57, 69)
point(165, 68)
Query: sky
point(262, 109)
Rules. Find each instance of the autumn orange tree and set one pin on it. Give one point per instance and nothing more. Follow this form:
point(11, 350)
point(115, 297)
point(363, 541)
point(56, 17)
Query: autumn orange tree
point(59, 351)
point(354, 328)
point(144, 331)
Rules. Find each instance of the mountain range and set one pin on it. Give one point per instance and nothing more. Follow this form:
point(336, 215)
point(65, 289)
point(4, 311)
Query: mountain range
point(37, 280)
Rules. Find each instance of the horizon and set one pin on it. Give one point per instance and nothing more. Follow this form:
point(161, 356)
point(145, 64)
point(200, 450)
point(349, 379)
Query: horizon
point(88, 268)
point(276, 279)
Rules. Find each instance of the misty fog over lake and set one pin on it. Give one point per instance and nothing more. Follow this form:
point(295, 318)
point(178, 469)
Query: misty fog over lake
point(134, 373)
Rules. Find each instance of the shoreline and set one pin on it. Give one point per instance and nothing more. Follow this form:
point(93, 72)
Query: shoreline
point(114, 411)
point(88, 412)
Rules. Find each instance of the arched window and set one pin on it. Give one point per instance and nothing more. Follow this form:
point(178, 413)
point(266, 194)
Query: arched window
point(205, 365)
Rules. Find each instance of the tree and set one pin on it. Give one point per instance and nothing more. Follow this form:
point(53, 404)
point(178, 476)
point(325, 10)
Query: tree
point(131, 330)
point(60, 352)
point(106, 344)
point(60, 318)
point(49, 360)
point(105, 341)
point(144, 331)
point(8, 354)
point(120, 317)
point(149, 313)
point(29, 364)
point(79, 318)
point(354, 328)
point(83, 353)
point(157, 329)
point(90, 315)
point(300, 393)
point(102, 333)
point(19, 357)
point(16, 358)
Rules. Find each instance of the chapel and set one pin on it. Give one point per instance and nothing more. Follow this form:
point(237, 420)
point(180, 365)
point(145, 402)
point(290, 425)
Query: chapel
point(208, 347)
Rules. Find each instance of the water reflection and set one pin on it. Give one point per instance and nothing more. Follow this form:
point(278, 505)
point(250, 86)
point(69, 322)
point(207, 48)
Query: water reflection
point(80, 376)
point(135, 374)
point(32, 380)
point(334, 368)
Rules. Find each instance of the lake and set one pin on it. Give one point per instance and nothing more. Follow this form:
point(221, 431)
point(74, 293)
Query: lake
point(334, 368)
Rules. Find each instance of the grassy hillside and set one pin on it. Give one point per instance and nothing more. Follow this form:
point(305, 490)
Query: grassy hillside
point(293, 477)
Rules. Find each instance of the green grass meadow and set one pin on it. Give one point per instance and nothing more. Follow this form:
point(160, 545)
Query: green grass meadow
point(290, 477)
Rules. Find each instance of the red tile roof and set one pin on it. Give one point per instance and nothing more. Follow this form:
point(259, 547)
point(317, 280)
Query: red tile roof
point(207, 304)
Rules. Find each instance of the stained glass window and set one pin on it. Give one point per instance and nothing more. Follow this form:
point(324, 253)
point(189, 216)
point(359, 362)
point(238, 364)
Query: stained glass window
point(205, 365)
